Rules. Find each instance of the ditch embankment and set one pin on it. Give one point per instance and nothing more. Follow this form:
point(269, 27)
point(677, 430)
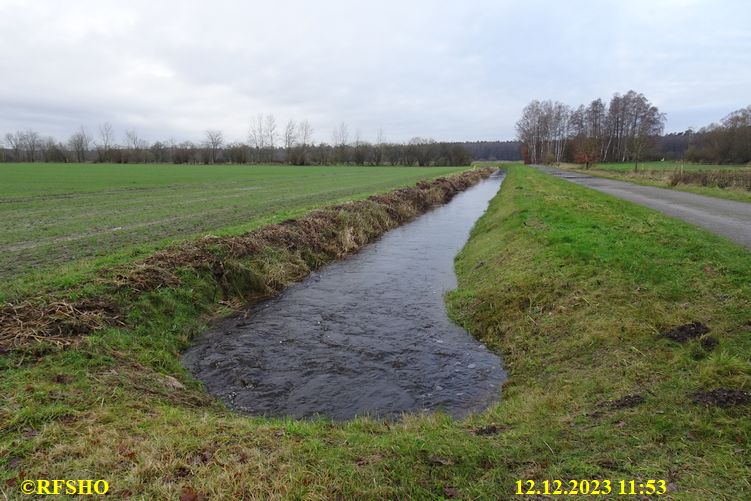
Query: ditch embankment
point(364, 336)
point(625, 334)
point(237, 269)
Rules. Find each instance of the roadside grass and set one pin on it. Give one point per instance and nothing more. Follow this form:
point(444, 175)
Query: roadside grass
point(73, 219)
point(662, 175)
point(574, 287)
point(665, 165)
point(571, 286)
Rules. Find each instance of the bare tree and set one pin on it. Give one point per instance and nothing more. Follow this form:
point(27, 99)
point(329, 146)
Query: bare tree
point(378, 151)
point(79, 143)
point(262, 137)
point(15, 143)
point(214, 141)
point(271, 134)
point(256, 133)
point(340, 136)
point(544, 130)
point(136, 146)
point(304, 139)
point(106, 138)
point(32, 143)
point(257, 137)
point(290, 138)
point(305, 133)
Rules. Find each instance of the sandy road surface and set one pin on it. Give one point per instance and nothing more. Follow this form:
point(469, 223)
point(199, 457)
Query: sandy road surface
point(727, 218)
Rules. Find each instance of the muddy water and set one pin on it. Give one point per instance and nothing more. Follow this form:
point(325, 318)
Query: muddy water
point(367, 335)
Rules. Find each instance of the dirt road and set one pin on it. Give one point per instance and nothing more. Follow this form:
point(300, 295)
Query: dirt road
point(727, 218)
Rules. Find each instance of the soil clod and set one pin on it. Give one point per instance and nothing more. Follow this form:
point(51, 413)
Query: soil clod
point(722, 397)
point(626, 402)
point(686, 332)
point(491, 429)
point(709, 343)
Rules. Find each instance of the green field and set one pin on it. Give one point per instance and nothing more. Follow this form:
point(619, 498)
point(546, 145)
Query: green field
point(572, 287)
point(665, 165)
point(54, 214)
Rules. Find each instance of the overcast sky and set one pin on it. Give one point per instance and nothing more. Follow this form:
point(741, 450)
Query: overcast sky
point(447, 70)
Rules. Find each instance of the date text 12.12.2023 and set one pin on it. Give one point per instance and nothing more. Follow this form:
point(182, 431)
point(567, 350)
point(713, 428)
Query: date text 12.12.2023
point(591, 487)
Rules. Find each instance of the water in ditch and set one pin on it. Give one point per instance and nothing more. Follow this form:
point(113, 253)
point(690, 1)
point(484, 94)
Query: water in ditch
point(367, 335)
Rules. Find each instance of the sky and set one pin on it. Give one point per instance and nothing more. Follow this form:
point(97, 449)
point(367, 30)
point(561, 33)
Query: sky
point(446, 70)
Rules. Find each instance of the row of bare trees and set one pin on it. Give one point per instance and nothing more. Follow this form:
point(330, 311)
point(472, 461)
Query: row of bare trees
point(265, 143)
point(624, 130)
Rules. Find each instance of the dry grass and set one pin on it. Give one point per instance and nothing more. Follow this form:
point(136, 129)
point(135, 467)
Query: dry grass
point(57, 322)
point(718, 178)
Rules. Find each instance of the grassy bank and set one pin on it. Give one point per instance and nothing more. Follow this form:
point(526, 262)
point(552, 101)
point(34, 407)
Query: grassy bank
point(721, 181)
point(86, 216)
point(93, 387)
point(574, 288)
point(571, 286)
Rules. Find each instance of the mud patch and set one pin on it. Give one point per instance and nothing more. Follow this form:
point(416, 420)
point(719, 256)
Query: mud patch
point(722, 397)
point(686, 332)
point(625, 402)
point(709, 343)
point(491, 429)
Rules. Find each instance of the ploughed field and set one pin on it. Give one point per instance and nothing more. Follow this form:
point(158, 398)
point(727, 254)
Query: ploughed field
point(51, 214)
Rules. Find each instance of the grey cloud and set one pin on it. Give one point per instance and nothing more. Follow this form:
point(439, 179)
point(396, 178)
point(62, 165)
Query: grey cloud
point(451, 71)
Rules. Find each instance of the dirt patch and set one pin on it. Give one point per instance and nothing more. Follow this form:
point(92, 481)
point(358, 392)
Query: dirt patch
point(311, 241)
point(686, 332)
point(722, 397)
point(625, 402)
point(492, 429)
point(709, 343)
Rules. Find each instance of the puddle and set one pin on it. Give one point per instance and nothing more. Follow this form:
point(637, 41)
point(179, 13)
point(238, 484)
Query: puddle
point(367, 335)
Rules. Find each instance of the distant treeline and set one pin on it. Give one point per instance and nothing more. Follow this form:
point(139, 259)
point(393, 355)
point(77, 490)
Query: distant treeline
point(265, 144)
point(728, 142)
point(627, 129)
point(494, 150)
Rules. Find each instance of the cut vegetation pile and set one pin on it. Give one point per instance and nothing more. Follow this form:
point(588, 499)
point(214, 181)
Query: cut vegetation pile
point(243, 268)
